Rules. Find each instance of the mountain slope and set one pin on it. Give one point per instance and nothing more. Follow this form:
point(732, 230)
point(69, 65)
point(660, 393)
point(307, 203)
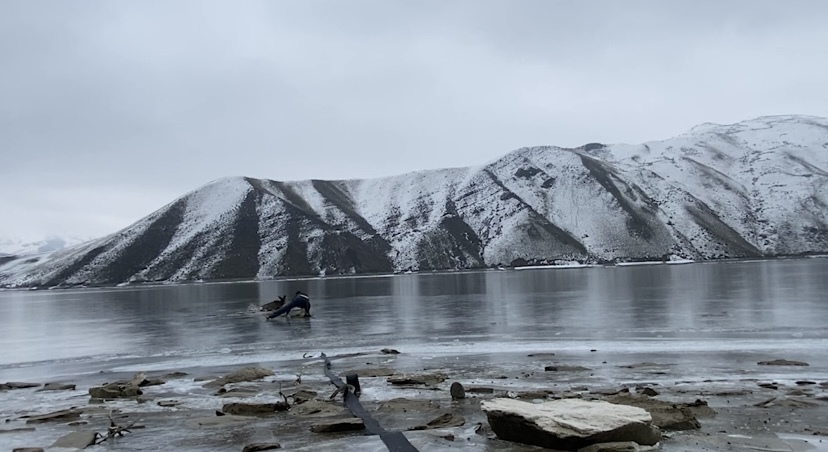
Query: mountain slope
point(756, 188)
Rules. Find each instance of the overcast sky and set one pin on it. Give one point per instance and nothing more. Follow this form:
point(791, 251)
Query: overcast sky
point(109, 110)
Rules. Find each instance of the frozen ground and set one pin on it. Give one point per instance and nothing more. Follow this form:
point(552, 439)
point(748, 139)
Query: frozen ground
point(702, 327)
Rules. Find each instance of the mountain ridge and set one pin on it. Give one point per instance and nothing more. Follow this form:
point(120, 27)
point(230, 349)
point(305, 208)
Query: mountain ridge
point(749, 189)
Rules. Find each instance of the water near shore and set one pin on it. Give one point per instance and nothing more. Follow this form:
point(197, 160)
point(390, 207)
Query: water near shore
point(700, 324)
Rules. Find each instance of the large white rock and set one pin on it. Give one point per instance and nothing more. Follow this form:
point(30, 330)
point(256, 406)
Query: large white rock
point(569, 424)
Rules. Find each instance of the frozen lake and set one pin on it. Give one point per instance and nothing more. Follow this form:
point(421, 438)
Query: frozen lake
point(705, 319)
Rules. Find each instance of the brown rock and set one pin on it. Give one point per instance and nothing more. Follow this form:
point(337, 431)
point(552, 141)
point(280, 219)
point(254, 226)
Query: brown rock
point(27, 449)
point(667, 416)
point(245, 374)
point(531, 395)
point(258, 447)
point(417, 379)
point(338, 425)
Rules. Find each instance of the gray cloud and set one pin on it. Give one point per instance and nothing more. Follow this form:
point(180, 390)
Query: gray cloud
point(109, 110)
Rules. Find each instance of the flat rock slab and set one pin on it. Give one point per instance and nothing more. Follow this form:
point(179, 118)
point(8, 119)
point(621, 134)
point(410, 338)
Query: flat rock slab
point(245, 374)
point(17, 385)
point(338, 425)
point(623, 446)
point(17, 430)
point(75, 440)
point(400, 405)
point(169, 403)
point(237, 392)
point(445, 421)
point(782, 362)
point(222, 420)
point(417, 379)
point(259, 447)
point(56, 416)
point(569, 424)
point(254, 409)
point(372, 372)
point(318, 408)
point(666, 415)
point(57, 387)
point(561, 368)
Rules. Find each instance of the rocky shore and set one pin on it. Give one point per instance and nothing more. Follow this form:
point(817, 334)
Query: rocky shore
point(440, 405)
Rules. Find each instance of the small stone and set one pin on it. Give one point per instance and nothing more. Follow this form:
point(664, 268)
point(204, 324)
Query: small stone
point(805, 382)
point(27, 449)
point(565, 369)
point(174, 375)
point(457, 391)
point(648, 391)
point(258, 447)
point(541, 355)
point(168, 403)
point(480, 390)
point(389, 351)
point(782, 362)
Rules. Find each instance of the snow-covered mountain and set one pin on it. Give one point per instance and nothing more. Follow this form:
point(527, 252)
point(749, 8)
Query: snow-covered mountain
point(756, 188)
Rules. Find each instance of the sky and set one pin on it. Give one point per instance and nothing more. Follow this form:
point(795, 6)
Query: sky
point(110, 110)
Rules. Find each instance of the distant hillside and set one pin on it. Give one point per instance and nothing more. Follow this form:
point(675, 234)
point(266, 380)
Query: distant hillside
point(756, 188)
